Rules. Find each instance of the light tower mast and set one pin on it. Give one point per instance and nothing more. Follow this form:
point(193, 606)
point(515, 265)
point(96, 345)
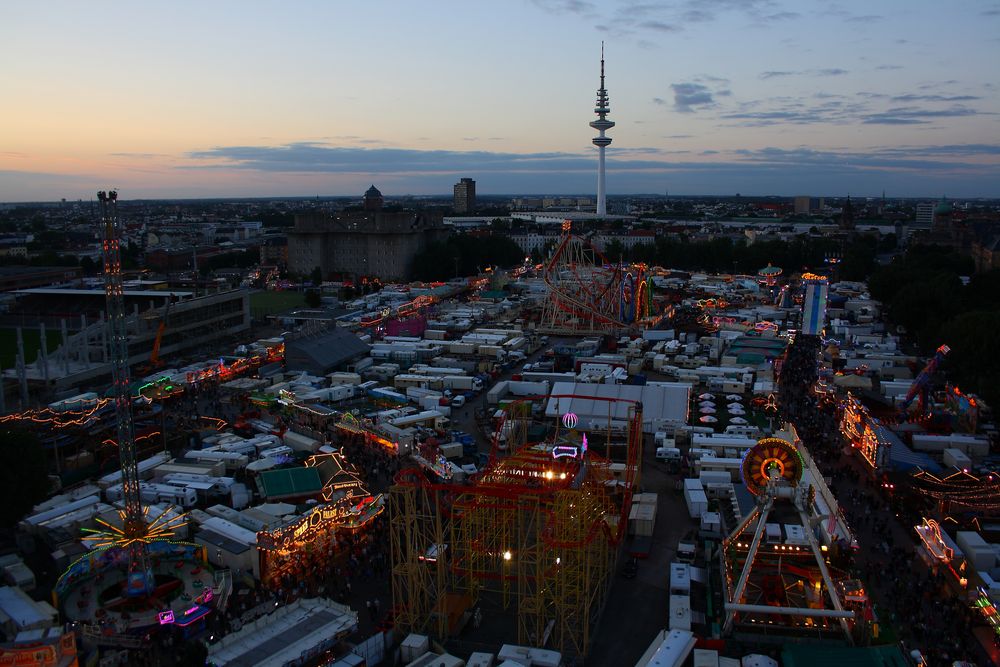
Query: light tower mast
point(602, 124)
point(134, 528)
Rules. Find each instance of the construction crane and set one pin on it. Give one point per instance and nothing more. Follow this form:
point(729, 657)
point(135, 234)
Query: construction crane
point(134, 531)
point(921, 384)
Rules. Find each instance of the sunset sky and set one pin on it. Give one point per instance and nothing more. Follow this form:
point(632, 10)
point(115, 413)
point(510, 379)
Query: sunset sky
point(225, 99)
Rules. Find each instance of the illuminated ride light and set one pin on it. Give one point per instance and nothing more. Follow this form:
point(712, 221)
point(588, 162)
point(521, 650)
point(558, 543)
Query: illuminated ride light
point(929, 533)
point(770, 456)
point(570, 451)
point(161, 528)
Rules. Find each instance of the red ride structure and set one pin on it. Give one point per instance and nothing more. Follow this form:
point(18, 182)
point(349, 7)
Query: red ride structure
point(588, 294)
point(536, 530)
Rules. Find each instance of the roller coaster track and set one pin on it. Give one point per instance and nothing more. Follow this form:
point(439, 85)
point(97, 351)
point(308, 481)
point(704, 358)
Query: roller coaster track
point(583, 296)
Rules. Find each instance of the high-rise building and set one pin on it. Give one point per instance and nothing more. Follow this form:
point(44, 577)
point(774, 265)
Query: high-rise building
point(602, 124)
point(465, 196)
point(925, 214)
point(802, 205)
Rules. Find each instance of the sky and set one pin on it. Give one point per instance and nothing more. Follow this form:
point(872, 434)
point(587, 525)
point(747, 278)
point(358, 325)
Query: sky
point(716, 97)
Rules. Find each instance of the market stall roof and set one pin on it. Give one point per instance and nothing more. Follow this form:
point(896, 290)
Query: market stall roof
point(283, 636)
point(290, 482)
point(824, 655)
point(901, 457)
point(322, 353)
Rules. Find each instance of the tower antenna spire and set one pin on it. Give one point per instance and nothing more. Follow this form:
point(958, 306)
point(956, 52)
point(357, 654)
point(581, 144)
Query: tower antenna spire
point(602, 124)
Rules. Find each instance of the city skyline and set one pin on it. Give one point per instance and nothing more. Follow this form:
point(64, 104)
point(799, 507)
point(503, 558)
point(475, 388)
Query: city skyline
point(712, 97)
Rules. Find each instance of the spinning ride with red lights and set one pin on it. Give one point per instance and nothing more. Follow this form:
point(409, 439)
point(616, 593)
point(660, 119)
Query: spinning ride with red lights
point(770, 458)
point(782, 585)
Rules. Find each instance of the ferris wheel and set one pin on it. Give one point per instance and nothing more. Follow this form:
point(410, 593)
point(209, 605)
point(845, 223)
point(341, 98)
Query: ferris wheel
point(769, 457)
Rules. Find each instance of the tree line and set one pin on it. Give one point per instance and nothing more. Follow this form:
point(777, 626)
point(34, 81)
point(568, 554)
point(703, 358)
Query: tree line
point(465, 255)
point(924, 293)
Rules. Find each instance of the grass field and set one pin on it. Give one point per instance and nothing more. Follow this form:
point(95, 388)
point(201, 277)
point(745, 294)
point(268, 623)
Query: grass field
point(269, 303)
point(8, 344)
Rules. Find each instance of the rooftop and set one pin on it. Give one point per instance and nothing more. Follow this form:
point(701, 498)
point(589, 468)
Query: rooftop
point(283, 636)
point(290, 482)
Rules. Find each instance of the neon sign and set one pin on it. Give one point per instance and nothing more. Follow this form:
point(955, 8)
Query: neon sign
point(564, 451)
point(570, 420)
point(166, 617)
point(930, 534)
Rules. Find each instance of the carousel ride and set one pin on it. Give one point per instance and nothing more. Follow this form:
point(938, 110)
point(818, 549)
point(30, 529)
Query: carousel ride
point(777, 576)
point(134, 576)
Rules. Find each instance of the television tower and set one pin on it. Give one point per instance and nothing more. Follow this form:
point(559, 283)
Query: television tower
point(602, 124)
point(135, 531)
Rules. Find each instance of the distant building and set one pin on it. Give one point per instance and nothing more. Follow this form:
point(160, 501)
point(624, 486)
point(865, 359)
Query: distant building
point(362, 244)
point(942, 216)
point(373, 200)
point(925, 214)
point(986, 253)
point(25, 277)
point(802, 205)
point(274, 251)
point(847, 216)
point(465, 196)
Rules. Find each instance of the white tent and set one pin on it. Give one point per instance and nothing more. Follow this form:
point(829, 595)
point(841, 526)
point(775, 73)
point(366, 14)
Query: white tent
point(738, 420)
point(735, 406)
point(706, 396)
point(707, 411)
point(708, 419)
point(707, 404)
point(733, 397)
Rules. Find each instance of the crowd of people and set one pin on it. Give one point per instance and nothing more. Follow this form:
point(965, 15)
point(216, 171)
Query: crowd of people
point(923, 606)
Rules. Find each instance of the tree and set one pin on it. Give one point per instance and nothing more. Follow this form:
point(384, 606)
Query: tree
point(24, 478)
point(313, 299)
point(316, 276)
point(973, 361)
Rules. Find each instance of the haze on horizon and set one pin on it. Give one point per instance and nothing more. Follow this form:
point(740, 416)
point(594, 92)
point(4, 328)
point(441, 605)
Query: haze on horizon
point(230, 99)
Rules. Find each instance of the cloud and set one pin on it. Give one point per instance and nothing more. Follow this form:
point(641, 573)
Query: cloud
point(781, 16)
point(865, 18)
point(916, 115)
point(659, 26)
point(889, 67)
point(659, 100)
point(688, 96)
point(579, 7)
point(830, 71)
point(965, 170)
point(144, 156)
point(910, 97)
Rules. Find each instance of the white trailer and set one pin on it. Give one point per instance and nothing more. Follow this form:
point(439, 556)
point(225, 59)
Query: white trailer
point(301, 443)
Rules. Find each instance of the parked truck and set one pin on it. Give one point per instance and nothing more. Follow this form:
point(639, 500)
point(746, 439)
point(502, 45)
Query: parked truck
point(460, 383)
